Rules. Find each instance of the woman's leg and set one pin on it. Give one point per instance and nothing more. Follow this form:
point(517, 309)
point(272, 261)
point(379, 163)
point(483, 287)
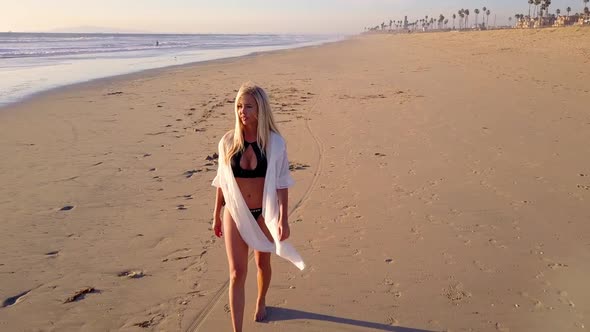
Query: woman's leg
point(237, 256)
point(264, 275)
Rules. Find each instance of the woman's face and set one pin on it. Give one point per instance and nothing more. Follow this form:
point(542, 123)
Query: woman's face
point(248, 110)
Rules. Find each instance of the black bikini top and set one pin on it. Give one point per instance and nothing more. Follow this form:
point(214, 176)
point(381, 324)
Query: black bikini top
point(261, 164)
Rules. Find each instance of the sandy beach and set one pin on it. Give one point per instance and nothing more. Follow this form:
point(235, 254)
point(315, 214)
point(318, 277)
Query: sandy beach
point(442, 184)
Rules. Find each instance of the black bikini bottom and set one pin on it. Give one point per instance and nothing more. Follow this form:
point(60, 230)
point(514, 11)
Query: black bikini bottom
point(256, 213)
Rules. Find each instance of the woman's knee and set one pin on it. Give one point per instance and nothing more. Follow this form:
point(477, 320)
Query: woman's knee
point(237, 274)
point(263, 261)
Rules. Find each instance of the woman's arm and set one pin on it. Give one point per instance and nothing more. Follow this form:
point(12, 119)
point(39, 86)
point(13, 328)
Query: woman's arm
point(283, 196)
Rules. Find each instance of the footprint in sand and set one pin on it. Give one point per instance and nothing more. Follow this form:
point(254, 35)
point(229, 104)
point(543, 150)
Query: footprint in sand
point(151, 322)
point(79, 295)
point(556, 266)
point(181, 207)
point(189, 174)
point(297, 166)
point(132, 274)
point(14, 299)
point(67, 208)
point(391, 321)
point(212, 157)
point(502, 328)
point(52, 253)
point(456, 293)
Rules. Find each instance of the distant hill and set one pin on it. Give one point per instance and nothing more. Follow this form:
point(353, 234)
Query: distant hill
point(91, 29)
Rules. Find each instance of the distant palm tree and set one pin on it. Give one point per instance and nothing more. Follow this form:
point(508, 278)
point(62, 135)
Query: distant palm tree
point(476, 11)
point(558, 11)
point(446, 22)
point(586, 6)
point(488, 12)
point(568, 10)
point(537, 4)
point(530, 3)
point(462, 21)
point(454, 17)
point(467, 18)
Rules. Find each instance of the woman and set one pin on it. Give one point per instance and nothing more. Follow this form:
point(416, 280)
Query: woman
point(252, 183)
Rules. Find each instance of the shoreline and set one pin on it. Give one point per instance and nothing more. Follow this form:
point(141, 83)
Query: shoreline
point(152, 71)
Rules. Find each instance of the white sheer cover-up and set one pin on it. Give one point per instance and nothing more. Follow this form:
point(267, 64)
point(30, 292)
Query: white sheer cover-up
point(277, 177)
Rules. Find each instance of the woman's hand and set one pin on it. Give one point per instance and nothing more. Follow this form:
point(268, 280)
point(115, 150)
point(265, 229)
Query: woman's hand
point(284, 230)
point(217, 225)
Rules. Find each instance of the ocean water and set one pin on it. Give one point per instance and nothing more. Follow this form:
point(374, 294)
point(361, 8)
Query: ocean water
point(35, 62)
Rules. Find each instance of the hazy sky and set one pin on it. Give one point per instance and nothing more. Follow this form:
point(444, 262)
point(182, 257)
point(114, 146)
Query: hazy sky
point(233, 16)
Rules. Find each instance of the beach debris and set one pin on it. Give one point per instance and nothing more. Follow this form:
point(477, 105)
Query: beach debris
point(187, 197)
point(115, 93)
point(52, 253)
point(147, 155)
point(131, 274)
point(379, 154)
point(152, 169)
point(388, 260)
point(192, 109)
point(190, 173)
point(180, 207)
point(67, 208)
point(79, 295)
point(14, 299)
point(98, 163)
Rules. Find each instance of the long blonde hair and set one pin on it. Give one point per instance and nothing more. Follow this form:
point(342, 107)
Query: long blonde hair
point(266, 122)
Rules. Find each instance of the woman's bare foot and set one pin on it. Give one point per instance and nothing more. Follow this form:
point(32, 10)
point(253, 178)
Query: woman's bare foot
point(260, 314)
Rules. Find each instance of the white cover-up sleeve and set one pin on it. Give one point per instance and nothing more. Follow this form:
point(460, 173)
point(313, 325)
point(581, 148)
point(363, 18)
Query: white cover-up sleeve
point(284, 179)
point(217, 180)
